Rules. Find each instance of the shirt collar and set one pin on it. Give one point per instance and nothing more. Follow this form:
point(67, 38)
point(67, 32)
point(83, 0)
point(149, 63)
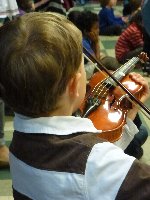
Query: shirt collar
point(58, 125)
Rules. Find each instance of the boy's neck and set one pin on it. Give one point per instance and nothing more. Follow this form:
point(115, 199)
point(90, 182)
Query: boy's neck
point(57, 113)
point(64, 108)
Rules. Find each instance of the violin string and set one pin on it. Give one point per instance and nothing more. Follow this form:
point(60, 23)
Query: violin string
point(95, 65)
point(127, 96)
point(102, 88)
point(125, 67)
point(143, 109)
point(97, 87)
point(128, 66)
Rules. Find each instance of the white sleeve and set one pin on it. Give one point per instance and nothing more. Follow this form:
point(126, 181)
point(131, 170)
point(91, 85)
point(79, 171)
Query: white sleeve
point(106, 169)
point(128, 133)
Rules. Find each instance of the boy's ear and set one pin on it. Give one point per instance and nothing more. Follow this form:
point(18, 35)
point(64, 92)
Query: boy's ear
point(73, 85)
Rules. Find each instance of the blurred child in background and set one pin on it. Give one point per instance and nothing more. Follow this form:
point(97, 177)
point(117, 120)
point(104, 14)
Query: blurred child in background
point(131, 6)
point(130, 42)
point(87, 22)
point(108, 22)
point(25, 6)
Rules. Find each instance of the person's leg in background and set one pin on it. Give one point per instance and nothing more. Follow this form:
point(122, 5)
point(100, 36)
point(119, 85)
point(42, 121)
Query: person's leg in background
point(4, 152)
point(134, 53)
point(112, 30)
point(110, 63)
point(135, 147)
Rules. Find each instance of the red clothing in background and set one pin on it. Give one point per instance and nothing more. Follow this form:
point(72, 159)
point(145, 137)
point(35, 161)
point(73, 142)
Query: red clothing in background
point(129, 40)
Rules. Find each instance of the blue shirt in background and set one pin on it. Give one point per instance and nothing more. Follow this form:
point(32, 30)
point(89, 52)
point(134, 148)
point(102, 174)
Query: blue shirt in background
point(87, 44)
point(107, 18)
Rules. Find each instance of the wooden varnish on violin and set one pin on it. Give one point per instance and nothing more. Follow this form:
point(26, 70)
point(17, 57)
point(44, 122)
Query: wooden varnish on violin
point(110, 114)
point(106, 105)
point(133, 87)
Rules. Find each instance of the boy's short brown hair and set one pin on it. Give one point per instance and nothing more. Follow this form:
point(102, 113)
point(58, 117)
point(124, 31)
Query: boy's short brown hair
point(40, 52)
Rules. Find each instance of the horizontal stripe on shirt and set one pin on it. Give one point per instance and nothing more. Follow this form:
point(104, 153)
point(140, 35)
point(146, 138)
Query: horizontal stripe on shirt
point(94, 182)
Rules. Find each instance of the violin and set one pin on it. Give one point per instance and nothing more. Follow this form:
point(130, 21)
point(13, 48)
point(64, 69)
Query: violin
point(106, 105)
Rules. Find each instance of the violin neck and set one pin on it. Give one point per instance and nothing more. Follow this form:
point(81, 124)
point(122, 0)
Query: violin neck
point(123, 71)
point(126, 68)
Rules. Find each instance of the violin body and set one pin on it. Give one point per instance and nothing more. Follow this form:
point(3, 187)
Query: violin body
point(110, 115)
point(105, 103)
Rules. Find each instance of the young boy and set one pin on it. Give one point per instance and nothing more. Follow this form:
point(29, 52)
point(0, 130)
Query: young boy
point(54, 155)
point(25, 6)
point(130, 42)
point(108, 22)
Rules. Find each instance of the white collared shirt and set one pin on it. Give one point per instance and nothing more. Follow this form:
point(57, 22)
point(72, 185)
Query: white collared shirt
point(64, 125)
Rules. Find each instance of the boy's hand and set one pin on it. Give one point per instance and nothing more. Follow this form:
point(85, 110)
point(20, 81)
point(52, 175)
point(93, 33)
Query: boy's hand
point(145, 95)
point(142, 81)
